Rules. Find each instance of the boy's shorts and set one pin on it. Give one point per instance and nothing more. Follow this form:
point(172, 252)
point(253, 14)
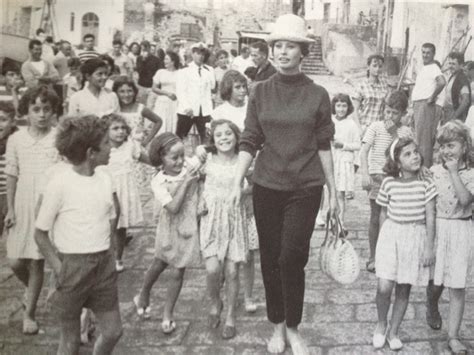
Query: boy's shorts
point(376, 180)
point(85, 280)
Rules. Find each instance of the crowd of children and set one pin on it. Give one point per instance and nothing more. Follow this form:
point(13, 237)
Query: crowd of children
point(420, 228)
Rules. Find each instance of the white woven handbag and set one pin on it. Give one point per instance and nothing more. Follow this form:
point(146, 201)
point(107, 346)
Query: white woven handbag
point(339, 259)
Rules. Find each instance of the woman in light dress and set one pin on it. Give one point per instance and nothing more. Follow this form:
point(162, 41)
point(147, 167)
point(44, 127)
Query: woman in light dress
point(164, 85)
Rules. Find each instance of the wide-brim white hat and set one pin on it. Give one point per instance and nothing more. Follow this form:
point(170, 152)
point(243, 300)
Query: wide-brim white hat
point(289, 27)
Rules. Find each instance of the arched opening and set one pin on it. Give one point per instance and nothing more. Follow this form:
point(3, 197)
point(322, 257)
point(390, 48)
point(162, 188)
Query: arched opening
point(90, 24)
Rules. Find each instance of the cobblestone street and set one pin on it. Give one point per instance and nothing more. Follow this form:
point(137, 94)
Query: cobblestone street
point(337, 319)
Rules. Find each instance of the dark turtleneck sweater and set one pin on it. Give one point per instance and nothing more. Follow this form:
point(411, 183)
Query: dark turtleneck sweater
point(289, 119)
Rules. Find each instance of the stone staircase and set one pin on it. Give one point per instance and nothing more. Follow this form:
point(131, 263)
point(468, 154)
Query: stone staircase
point(313, 63)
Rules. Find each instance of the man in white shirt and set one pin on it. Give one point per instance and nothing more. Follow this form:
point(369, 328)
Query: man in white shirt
point(243, 61)
point(122, 61)
point(194, 88)
point(427, 105)
point(36, 70)
point(60, 60)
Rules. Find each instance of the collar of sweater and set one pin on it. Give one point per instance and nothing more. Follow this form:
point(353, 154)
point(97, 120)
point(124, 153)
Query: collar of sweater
point(295, 79)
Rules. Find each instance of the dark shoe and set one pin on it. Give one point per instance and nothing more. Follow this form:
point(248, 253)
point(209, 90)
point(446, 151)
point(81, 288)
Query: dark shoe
point(228, 332)
point(433, 319)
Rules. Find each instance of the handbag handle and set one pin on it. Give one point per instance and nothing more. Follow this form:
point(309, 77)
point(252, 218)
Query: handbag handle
point(329, 226)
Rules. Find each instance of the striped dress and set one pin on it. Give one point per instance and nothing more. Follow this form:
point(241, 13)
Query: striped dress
point(402, 239)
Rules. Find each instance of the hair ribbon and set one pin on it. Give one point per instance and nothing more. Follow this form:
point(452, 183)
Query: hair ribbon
point(392, 148)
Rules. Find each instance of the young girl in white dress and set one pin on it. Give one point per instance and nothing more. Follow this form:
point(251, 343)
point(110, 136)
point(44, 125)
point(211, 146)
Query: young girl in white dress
point(124, 154)
point(454, 179)
point(224, 244)
point(29, 154)
point(175, 189)
point(405, 247)
point(164, 86)
point(345, 145)
point(143, 122)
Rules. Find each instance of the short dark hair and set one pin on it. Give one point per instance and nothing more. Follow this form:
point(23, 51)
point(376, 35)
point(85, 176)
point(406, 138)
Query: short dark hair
point(31, 95)
point(222, 52)
point(233, 52)
point(39, 30)
point(73, 62)
point(216, 123)
point(251, 72)
point(49, 39)
point(133, 44)
point(8, 108)
point(458, 56)
point(245, 49)
point(10, 66)
point(91, 65)
point(76, 134)
point(430, 46)
point(34, 42)
point(342, 98)
point(108, 59)
point(397, 100)
point(88, 35)
point(125, 80)
point(174, 58)
point(227, 83)
point(160, 146)
point(261, 46)
point(145, 44)
point(391, 167)
point(116, 42)
point(375, 57)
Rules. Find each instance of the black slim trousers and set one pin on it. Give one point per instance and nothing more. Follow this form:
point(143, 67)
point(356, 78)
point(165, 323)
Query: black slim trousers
point(285, 222)
point(185, 123)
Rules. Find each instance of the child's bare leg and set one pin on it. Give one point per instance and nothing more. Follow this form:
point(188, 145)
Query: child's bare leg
point(70, 340)
point(232, 290)
point(402, 294)
point(248, 269)
point(384, 292)
point(174, 289)
point(214, 273)
point(20, 268)
point(120, 244)
point(154, 271)
point(374, 228)
point(433, 294)
point(36, 272)
point(456, 310)
point(110, 326)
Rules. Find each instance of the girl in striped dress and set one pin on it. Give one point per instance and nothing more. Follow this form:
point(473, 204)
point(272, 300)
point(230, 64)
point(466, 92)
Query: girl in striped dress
point(454, 241)
point(405, 246)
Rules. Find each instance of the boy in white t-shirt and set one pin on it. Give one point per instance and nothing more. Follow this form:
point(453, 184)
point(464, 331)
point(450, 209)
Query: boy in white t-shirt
point(78, 209)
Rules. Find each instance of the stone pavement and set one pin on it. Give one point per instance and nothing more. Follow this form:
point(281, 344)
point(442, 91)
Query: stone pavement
point(337, 319)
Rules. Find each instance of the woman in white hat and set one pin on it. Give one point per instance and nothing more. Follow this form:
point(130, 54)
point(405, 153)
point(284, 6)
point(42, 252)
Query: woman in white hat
point(289, 121)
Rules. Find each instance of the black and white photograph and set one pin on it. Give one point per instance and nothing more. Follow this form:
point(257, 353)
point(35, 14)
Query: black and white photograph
point(236, 177)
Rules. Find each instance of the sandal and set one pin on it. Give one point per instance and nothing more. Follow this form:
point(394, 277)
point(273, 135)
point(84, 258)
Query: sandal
point(144, 312)
point(228, 332)
point(213, 320)
point(30, 327)
point(433, 319)
point(168, 326)
point(395, 344)
point(456, 347)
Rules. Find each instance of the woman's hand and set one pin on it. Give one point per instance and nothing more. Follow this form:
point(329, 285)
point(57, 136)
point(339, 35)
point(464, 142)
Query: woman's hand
point(10, 219)
point(452, 165)
point(171, 96)
point(366, 182)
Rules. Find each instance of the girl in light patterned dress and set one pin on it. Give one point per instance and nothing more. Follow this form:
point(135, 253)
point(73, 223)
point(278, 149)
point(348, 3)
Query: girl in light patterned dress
point(454, 241)
point(175, 190)
point(124, 154)
point(29, 153)
point(405, 247)
point(224, 244)
point(144, 123)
